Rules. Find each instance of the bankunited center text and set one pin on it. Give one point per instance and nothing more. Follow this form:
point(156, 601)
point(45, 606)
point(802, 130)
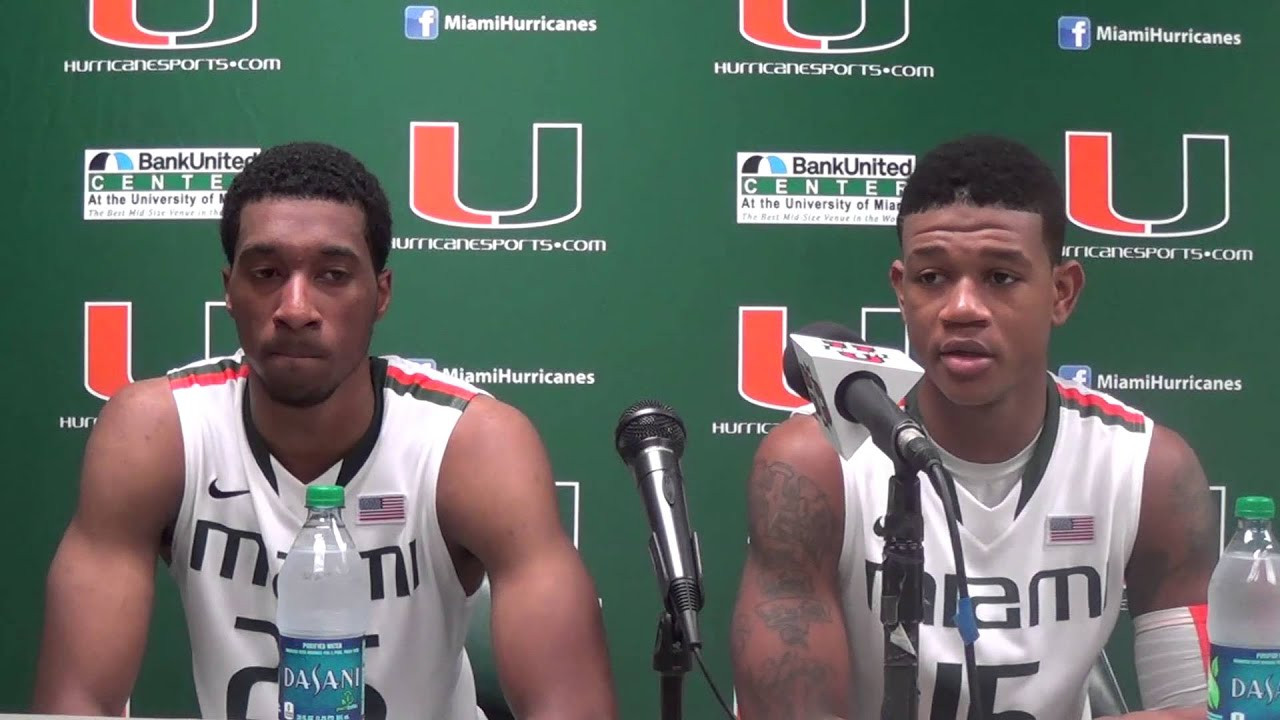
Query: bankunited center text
point(194, 160)
point(877, 166)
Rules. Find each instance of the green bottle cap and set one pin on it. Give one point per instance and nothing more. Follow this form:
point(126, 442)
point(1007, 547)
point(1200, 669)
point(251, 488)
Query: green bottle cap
point(1255, 507)
point(325, 496)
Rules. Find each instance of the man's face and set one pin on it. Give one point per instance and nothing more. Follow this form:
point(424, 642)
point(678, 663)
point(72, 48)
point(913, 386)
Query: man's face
point(979, 296)
point(304, 295)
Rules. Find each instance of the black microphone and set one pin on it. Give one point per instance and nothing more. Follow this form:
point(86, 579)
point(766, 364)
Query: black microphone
point(833, 366)
point(650, 439)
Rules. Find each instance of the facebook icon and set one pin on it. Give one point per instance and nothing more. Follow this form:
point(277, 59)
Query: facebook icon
point(1082, 374)
point(1075, 32)
point(421, 22)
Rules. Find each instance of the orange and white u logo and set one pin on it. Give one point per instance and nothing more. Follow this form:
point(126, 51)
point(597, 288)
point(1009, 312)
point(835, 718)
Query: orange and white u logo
point(115, 22)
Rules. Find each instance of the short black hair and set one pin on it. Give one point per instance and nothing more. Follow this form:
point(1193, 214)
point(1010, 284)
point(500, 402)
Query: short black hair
point(309, 170)
point(988, 171)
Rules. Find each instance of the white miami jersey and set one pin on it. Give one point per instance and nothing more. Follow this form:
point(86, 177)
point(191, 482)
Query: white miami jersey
point(241, 510)
point(1045, 567)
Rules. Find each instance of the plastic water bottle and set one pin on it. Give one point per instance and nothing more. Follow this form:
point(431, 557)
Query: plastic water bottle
point(322, 615)
point(1244, 619)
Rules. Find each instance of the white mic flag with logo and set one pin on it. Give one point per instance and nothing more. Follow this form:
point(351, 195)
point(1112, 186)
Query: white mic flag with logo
point(826, 363)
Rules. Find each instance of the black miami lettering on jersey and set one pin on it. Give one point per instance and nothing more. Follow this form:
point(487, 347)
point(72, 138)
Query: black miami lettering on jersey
point(1008, 596)
point(1020, 610)
point(404, 560)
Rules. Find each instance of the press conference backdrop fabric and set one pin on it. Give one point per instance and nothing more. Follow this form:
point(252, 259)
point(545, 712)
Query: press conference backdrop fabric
point(598, 202)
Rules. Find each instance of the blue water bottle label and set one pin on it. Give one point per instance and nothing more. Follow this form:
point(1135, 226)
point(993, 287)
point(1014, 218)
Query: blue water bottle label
point(321, 679)
point(1243, 684)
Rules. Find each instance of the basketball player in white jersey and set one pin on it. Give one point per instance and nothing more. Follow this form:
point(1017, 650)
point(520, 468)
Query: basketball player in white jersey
point(208, 466)
point(1066, 495)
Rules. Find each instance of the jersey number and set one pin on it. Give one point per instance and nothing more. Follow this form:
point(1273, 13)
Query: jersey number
point(243, 680)
point(946, 690)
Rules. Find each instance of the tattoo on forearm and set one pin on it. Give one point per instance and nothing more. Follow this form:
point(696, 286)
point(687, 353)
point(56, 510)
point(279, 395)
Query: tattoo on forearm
point(792, 517)
point(791, 618)
point(785, 582)
point(792, 524)
point(794, 536)
point(791, 686)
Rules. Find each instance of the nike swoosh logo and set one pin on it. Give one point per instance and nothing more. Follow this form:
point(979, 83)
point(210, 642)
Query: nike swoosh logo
point(222, 494)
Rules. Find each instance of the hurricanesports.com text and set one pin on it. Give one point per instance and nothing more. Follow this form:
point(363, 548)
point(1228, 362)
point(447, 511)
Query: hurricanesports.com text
point(457, 244)
point(741, 67)
point(172, 65)
point(1119, 252)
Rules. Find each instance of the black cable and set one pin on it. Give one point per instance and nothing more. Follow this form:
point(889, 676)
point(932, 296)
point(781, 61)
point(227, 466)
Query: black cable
point(697, 654)
point(946, 488)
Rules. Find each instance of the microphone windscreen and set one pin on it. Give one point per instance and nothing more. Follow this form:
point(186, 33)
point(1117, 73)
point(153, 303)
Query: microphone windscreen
point(645, 421)
point(824, 329)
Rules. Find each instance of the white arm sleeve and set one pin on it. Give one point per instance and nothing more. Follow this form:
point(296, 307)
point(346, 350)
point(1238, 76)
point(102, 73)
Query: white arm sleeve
point(1167, 653)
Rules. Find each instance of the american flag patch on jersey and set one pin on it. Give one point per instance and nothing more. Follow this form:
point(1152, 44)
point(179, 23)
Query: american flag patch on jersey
point(1067, 529)
point(388, 508)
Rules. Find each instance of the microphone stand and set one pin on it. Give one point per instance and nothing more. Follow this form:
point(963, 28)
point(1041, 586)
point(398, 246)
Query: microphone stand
point(902, 593)
point(672, 658)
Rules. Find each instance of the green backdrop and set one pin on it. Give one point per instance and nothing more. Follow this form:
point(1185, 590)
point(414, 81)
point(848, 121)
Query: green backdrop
point(662, 225)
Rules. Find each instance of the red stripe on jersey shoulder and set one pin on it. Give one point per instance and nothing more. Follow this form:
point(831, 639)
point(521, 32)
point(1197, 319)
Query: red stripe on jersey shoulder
point(1200, 618)
point(219, 374)
point(428, 383)
point(1096, 402)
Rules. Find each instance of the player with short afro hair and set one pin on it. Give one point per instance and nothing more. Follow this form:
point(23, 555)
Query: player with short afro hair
point(314, 171)
point(988, 171)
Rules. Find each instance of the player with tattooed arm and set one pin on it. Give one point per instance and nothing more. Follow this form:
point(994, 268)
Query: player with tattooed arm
point(1067, 496)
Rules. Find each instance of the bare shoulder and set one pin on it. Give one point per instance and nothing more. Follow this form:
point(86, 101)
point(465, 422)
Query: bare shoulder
point(133, 461)
point(1176, 544)
point(486, 426)
point(1175, 491)
point(1169, 458)
point(799, 446)
point(496, 487)
point(795, 494)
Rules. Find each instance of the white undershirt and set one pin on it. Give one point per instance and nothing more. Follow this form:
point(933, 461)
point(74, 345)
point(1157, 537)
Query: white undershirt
point(986, 490)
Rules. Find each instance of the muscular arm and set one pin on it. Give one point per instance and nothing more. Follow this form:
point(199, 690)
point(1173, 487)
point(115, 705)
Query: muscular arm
point(790, 653)
point(100, 583)
point(497, 500)
point(1176, 547)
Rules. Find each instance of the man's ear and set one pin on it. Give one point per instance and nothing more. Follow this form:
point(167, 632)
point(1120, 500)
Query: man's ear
point(226, 281)
point(1068, 283)
point(897, 271)
point(384, 294)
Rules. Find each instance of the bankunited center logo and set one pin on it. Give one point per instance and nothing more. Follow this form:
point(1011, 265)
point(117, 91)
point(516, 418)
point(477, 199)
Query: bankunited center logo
point(159, 183)
point(555, 186)
point(115, 22)
point(821, 188)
